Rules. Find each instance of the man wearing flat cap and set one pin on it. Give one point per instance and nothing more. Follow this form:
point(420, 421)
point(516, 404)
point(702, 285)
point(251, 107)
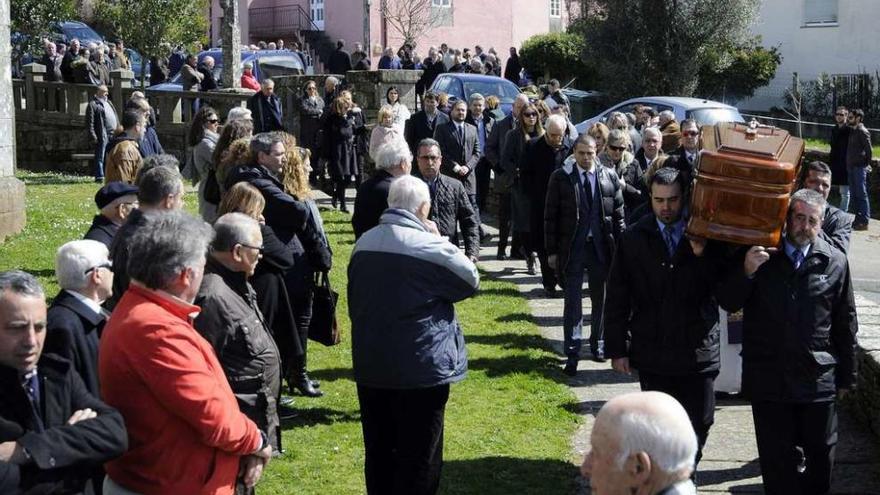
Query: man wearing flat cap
point(115, 201)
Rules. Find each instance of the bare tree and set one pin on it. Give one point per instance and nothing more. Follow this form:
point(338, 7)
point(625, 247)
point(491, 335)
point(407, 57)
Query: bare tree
point(412, 19)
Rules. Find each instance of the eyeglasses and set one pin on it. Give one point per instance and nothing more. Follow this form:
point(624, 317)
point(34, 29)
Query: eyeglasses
point(260, 249)
point(530, 114)
point(839, 114)
point(107, 264)
point(616, 148)
point(690, 133)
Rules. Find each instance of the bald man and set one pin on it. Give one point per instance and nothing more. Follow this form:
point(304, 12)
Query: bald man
point(641, 443)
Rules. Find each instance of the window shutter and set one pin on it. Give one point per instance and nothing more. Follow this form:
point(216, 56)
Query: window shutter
point(820, 11)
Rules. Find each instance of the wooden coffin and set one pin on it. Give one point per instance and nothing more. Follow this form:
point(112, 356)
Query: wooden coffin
point(745, 176)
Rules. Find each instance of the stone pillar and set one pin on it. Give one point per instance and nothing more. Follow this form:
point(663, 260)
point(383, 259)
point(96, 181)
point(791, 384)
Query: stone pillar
point(230, 33)
point(12, 213)
point(119, 79)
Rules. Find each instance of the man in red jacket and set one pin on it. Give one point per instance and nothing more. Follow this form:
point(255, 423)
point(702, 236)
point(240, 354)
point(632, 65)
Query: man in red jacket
point(186, 432)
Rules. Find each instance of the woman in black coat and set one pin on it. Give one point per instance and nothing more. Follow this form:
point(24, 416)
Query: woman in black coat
point(358, 121)
point(311, 109)
point(339, 150)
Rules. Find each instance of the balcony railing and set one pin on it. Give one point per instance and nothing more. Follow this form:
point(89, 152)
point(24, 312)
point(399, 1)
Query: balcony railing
point(279, 21)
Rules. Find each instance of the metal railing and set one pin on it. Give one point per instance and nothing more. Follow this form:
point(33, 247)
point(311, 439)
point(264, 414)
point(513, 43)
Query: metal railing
point(279, 21)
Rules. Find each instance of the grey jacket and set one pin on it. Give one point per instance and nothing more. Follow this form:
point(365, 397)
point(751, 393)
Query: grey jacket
point(97, 121)
point(403, 282)
point(202, 164)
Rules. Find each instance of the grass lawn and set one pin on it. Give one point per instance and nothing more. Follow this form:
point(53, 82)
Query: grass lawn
point(508, 425)
point(823, 145)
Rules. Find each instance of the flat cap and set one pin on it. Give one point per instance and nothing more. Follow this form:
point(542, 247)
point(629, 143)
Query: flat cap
point(112, 191)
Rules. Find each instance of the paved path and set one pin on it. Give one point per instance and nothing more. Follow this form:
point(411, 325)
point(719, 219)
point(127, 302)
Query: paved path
point(730, 459)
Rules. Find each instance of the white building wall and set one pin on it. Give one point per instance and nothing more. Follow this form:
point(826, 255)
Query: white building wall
point(848, 47)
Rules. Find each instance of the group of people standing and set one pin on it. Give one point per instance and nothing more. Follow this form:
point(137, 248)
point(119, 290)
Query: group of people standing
point(851, 153)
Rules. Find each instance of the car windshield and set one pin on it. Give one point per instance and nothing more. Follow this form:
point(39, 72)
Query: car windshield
point(80, 33)
point(279, 66)
point(506, 93)
point(710, 116)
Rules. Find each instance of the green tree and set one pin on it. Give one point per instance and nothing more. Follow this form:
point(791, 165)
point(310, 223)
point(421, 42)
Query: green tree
point(657, 46)
point(34, 20)
point(557, 55)
point(733, 72)
point(150, 26)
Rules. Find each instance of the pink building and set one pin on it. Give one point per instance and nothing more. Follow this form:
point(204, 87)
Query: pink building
point(459, 23)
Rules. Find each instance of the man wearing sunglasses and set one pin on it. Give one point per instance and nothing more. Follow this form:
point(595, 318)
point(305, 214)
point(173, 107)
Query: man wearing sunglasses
point(231, 321)
point(76, 317)
point(684, 158)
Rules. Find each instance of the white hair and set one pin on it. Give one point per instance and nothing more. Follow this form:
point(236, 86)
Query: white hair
point(558, 120)
point(238, 113)
point(408, 193)
point(672, 449)
point(74, 260)
point(667, 114)
point(392, 154)
point(651, 130)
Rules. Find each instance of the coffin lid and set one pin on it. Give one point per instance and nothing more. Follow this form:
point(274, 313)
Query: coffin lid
point(767, 143)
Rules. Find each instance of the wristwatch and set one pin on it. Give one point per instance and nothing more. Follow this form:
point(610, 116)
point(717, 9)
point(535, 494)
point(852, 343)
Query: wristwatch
point(264, 440)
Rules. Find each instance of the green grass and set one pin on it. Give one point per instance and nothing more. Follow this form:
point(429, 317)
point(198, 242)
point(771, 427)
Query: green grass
point(508, 425)
point(823, 145)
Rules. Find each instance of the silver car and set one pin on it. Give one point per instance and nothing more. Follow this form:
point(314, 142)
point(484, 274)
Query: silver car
point(705, 112)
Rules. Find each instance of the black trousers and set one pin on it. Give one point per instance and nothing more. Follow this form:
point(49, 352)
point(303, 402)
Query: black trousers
point(301, 301)
point(695, 392)
point(483, 179)
point(597, 275)
point(403, 439)
point(504, 221)
point(780, 429)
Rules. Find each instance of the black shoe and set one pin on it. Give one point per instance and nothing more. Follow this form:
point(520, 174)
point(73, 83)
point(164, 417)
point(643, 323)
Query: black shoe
point(550, 292)
point(344, 209)
point(571, 366)
point(302, 383)
point(598, 356)
point(285, 412)
point(860, 226)
point(500, 256)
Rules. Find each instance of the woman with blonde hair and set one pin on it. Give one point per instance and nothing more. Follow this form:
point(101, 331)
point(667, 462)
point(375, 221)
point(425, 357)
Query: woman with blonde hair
point(527, 127)
point(268, 281)
point(359, 127)
point(294, 173)
point(384, 132)
point(599, 132)
point(339, 149)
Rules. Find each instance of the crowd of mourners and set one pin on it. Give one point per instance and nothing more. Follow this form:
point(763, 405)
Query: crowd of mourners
point(159, 366)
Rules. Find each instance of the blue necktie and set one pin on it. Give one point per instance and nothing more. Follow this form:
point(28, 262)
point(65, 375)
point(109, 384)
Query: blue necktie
point(670, 239)
point(31, 385)
point(797, 258)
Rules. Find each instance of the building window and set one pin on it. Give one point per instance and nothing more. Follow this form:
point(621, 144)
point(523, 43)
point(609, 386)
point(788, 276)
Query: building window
point(820, 12)
point(442, 3)
point(554, 8)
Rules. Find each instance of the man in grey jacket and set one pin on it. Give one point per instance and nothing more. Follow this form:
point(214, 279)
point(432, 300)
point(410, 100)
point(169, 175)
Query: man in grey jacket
point(407, 345)
point(101, 123)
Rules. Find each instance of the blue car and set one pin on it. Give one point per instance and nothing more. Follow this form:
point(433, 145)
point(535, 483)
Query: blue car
point(460, 86)
point(267, 63)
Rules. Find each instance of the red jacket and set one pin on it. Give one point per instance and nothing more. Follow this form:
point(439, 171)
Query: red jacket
point(249, 81)
point(185, 431)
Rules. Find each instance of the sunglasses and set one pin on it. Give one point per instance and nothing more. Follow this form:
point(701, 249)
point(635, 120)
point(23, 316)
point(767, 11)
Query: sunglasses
point(260, 249)
point(107, 264)
point(530, 114)
point(690, 133)
point(840, 114)
point(213, 121)
point(616, 148)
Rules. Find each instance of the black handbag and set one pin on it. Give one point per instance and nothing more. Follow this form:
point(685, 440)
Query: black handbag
point(212, 188)
point(323, 328)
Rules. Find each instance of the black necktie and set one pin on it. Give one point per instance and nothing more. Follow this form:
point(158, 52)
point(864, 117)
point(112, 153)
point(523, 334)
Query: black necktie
point(588, 191)
point(670, 239)
point(31, 385)
point(460, 133)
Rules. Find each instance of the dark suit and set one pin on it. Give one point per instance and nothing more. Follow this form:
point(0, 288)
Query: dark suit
point(266, 112)
point(370, 202)
point(102, 230)
point(494, 145)
point(461, 150)
point(63, 456)
point(484, 167)
point(418, 127)
point(799, 350)
point(72, 332)
point(339, 62)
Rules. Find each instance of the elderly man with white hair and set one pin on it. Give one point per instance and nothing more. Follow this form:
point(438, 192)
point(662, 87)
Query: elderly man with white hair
point(392, 160)
point(407, 344)
point(239, 113)
point(642, 443)
point(635, 192)
point(76, 318)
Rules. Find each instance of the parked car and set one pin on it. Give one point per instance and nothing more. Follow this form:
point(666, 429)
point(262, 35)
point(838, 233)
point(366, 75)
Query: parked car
point(705, 112)
point(267, 63)
point(461, 86)
point(67, 30)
